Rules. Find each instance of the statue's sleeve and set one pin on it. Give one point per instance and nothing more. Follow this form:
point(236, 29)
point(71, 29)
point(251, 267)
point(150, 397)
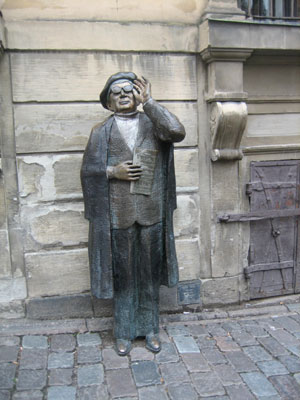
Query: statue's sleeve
point(93, 172)
point(168, 127)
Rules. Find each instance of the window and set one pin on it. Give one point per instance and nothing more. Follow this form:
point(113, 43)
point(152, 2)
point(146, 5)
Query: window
point(273, 9)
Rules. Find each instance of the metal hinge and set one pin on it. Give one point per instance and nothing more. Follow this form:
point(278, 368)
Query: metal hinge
point(258, 215)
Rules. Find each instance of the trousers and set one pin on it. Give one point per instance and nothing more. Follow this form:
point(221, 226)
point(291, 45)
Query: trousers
point(137, 262)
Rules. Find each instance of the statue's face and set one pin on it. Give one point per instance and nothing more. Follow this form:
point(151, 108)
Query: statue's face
point(121, 98)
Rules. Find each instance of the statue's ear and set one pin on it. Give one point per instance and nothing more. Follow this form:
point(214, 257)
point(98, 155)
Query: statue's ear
point(109, 105)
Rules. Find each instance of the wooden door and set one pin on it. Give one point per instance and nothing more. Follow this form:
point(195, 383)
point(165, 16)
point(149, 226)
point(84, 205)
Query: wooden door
point(273, 267)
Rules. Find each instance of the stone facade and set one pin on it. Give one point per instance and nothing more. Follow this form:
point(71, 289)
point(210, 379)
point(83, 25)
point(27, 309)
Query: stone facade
point(233, 83)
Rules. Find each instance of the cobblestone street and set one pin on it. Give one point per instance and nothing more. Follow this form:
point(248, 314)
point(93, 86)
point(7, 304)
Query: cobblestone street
point(250, 352)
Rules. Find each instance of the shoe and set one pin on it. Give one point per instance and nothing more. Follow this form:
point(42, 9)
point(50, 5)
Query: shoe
point(153, 343)
point(123, 347)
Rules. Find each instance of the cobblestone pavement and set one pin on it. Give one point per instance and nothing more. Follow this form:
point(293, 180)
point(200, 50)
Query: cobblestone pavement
point(240, 354)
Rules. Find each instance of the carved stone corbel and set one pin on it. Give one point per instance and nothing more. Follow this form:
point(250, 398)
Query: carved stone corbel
point(227, 125)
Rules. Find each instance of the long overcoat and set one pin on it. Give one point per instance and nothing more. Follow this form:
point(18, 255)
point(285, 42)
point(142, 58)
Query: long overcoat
point(95, 186)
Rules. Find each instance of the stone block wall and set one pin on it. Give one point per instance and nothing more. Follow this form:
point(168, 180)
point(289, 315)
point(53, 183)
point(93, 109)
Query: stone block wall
point(197, 54)
point(57, 70)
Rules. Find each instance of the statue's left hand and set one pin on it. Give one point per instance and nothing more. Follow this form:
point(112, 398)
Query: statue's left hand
point(142, 90)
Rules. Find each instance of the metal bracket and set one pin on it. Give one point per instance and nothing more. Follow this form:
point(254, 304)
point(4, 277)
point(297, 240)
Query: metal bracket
point(259, 215)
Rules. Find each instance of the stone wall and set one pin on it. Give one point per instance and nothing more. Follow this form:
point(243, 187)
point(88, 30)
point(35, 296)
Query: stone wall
point(56, 61)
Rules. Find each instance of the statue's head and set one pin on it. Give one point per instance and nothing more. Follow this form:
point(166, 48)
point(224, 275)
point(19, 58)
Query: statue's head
point(118, 93)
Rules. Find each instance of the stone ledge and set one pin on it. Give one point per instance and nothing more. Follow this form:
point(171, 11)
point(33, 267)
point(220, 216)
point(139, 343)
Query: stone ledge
point(247, 310)
point(59, 307)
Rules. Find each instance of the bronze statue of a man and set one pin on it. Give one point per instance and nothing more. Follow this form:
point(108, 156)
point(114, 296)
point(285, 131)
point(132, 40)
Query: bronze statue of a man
point(128, 183)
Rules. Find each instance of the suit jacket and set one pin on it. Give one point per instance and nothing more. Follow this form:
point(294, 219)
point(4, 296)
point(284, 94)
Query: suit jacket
point(162, 128)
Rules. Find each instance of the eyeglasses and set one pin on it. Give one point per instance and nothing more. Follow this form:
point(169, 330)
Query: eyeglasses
point(118, 89)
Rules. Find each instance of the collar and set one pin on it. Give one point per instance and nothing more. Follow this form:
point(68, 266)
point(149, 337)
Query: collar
point(126, 115)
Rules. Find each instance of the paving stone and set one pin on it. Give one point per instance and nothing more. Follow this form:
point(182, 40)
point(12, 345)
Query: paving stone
point(243, 338)
point(63, 342)
point(294, 349)
point(240, 361)
point(98, 392)
point(152, 393)
point(28, 395)
point(164, 338)
point(214, 356)
point(287, 386)
point(226, 344)
point(89, 339)
point(111, 360)
point(256, 331)
point(145, 373)
point(9, 341)
point(296, 317)
point(269, 324)
point(62, 393)
point(216, 330)
point(34, 359)
point(7, 375)
point(288, 323)
point(207, 384)
point(4, 395)
point(8, 353)
point(195, 362)
point(197, 330)
point(258, 384)
point(142, 354)
point(120, 383)
point(90, 375)
point(126, 398)
point(270, 368)
point(285, 338)
point(32, 379)
point(60, 377)
point(174, 373)
point(167, 354)
point(291, 362)
point(238, 392)
point(35, 342)
point(177, 330)
point(88, 354)
point(231, 326)
point(60, 360)
point(273, 346)
point(257, 353)
point(297, 377)
point(183, 391)
point(186, 344)
point(294, 307)
point(205, 342)
point(227, 374)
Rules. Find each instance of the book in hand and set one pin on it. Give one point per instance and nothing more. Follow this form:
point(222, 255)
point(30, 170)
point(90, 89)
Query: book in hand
point(146, 159)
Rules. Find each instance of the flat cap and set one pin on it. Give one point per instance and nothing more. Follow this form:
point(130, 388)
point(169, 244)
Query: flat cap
point(129, 76)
